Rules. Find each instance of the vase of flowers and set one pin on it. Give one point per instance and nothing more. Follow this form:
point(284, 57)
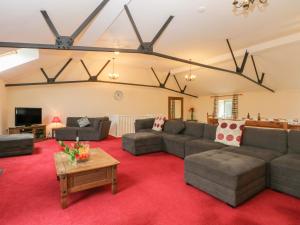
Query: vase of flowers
point(191, 110)
point(77, 152)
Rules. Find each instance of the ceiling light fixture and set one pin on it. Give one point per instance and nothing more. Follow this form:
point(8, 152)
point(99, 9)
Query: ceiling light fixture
point(247, 4)
point(190, 76)
point(113, 75)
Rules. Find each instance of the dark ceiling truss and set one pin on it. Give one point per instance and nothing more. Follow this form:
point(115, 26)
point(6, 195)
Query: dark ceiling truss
point(95, 78)
point(51, 80)
point(240, 70)
point(260, 79)
point(66, 43)
point(163, 85)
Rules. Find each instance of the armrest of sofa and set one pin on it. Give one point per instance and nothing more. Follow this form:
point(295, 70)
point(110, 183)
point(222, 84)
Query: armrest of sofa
point(104, 129)
point(143, 124)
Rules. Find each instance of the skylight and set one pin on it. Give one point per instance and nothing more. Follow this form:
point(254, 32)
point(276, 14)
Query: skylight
point(18, 57)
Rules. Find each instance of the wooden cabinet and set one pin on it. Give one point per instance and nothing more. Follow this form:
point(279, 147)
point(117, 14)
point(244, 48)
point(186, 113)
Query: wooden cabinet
point(38, 131)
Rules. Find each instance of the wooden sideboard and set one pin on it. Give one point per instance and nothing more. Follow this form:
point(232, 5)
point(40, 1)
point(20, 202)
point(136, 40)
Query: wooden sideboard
point(38, 131)
point(261, 123)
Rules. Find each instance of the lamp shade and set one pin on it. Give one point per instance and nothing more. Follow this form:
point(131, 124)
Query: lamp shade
point(56, 119)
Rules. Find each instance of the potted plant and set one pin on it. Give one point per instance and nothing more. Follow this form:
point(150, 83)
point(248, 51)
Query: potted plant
point(192, 110)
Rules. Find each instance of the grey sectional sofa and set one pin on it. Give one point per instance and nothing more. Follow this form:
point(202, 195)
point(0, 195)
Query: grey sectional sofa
point(232, 174)
point(97, 130)
point(174, 137)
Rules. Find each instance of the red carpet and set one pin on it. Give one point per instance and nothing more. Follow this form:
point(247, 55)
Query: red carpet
point(151, 192)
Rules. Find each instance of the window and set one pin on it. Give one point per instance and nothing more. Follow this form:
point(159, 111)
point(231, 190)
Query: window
point(225, 108)
point(18, 57)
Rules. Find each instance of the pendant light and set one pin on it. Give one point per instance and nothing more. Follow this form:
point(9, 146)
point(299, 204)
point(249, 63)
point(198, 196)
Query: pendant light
point(113, 75)
point(190, 76)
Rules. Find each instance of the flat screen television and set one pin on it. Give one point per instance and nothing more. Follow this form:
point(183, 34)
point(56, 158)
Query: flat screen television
point(28, 116)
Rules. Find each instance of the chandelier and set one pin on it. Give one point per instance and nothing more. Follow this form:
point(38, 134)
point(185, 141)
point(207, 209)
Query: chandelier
point(190, 76)
point(113, 75)
point(246, 4)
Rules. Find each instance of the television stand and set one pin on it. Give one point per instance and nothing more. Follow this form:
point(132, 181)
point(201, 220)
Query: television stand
point(38, 131)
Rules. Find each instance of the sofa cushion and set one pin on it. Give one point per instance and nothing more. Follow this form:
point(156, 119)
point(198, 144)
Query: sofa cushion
point(260, 153)
point(66, 133)
point(174, 126)
point(72, 121)
point(225, 168)
point(229, 132)
point(142, 138)
point(201, 145)
point(83, 122)
point(294, 141)
point(140, 124)
point(88, 134)
point(175, 143)
point(274, 139)
point(285, 174)
point(210, 131)
point(194, 129)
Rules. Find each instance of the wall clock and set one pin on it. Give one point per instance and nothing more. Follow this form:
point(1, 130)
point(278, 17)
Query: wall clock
point(118, 95)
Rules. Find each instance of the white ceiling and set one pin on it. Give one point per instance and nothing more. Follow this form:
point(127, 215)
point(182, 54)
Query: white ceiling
point(191, 34)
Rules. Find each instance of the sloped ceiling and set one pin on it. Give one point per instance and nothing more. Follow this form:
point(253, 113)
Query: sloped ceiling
point(192, 34)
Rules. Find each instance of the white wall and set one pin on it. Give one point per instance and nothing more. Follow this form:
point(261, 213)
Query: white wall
point(2, 107)
point(282, 104)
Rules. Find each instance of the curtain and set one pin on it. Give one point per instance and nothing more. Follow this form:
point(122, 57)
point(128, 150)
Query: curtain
point(235, 106)
point(215, 109)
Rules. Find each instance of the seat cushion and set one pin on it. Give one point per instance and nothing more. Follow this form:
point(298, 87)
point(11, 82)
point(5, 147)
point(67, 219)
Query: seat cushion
point(66, 133)
point(174, 126)
point(274, 139)
point(142, 138)
point(15, 137)
point(175, 143)
point(260, 153)
point(88, 134)
point(141, 143)
point(194, 129)
point(201, 145)
point(285, 174)
point(225, 168)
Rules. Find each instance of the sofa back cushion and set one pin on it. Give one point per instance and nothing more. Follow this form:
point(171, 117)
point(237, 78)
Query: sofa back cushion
point(210, 131)
point(174, 126)
point(94, 122)
point(194, 129)
point(273, 139)
point(141, 124)
point(72, 121)
point(294, 141)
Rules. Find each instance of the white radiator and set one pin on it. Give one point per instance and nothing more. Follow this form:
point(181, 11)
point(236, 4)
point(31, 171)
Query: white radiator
point(123, 124)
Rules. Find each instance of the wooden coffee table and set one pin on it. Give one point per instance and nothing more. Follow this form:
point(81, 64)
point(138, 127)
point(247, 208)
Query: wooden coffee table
point(99, 170)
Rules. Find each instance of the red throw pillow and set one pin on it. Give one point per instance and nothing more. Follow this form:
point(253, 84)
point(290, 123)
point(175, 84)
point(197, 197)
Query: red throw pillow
point(229, 132)
point(159, 123)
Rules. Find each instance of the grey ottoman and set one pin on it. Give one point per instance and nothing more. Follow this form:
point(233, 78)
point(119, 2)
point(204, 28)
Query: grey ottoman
point(16, 144)
point(230, 177)
point(141, 143)
point(285, 174)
